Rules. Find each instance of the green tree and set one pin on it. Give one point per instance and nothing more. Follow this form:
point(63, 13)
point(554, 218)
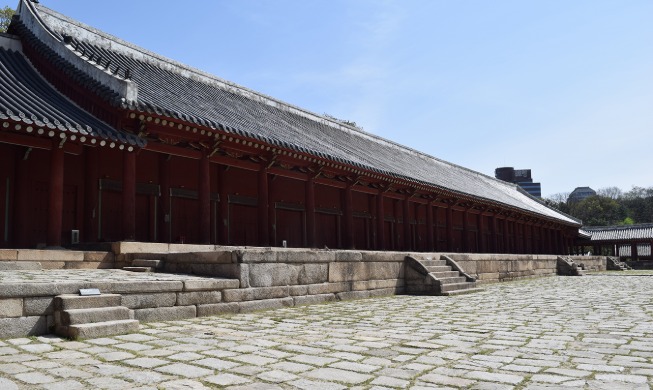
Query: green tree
point(5, 18)
point(598, 211)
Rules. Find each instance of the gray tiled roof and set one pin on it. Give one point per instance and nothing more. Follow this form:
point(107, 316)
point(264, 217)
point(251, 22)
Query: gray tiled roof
point(642, 232)
point(27, 98)
point(172, 89)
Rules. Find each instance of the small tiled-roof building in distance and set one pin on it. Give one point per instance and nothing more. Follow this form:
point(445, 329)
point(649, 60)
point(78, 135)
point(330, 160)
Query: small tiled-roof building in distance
point(103, 137)
point(626, 241)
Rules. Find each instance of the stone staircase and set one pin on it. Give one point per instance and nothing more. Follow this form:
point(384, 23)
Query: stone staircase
point(82, 317)
point(437, 277)
point(144, 265)
point(614, 264)
point(566, 266)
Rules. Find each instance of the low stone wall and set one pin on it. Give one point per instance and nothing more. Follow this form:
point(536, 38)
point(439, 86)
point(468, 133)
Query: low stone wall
point(305, 276)
point(591, 263)
point(56, 259)
point(26, 309)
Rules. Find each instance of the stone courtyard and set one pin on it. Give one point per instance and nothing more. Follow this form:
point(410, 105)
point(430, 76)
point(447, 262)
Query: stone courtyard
point(593, 332)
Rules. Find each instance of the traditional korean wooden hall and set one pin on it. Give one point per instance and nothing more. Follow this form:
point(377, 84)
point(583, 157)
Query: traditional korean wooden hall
point(108, 139)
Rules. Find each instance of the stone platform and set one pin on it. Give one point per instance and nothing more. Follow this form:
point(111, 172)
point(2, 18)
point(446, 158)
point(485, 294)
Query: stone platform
point(556, 332)
point(27, 296)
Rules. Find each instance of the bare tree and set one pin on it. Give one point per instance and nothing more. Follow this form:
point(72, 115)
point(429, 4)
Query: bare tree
point(610, 192)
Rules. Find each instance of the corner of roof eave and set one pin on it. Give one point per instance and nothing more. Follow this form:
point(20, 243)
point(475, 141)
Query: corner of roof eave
point(540, 201)
point(126, 89)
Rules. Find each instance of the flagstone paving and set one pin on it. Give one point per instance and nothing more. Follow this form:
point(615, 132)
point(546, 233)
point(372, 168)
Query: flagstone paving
point(592, 332)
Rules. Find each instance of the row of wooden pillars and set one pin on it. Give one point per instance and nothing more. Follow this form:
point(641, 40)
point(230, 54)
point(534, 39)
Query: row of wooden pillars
point(491, 229)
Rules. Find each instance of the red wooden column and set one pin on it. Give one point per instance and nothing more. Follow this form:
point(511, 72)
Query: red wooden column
point(380, 222)
point(494, 240)
point(465, 243)
point(55, 201)
point(91, 194)
point(449, 228)
point(349, 217)
point(482, 247)
point(129, 195)
point(263, 205)
point(223, 225)
point(204, 198)
point(430, 247)
point(407, 233)
point(309, 191)
point(310, 212)
point(633, 251)
point(164, 182)
point(506, 239)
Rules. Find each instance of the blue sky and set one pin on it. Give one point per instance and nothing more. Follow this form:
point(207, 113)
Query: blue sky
point(564, 88)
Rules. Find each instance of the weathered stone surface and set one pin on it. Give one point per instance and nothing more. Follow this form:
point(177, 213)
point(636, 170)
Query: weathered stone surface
point(285, 274)
point(231, 271)
point(12, 307)
point(23, 326)
point(377, 284)
point(99, 257)
point(368, 256)
point(165, 313)
point(8, 255)
point(148, 300)
point(146, 286)
point(348, 295)
point(265, 304)
point(251, 294)
point(326, 288)
point(38, 289)
point(19, 265)
point(38, 306)
point(313, 299)
point(85, 316)
point(348, 256)
point(53, 264)
point(214, 309)
point(214, 257)
point(198, 297)
point(88, 265)
point(74, 302)
point(49, 255)
point(210, 284)
point(355, 271)
point(138, 247)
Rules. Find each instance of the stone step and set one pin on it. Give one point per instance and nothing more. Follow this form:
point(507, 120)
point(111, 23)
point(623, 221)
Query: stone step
point(453, 280)
point(438, 268)
point(457, 286)
point(146, 263)
point(433, 263)
point(101, 329)
point(73, 301)
point(463, 291)
point(446, 274)
point(138, 269)
point(86, 316)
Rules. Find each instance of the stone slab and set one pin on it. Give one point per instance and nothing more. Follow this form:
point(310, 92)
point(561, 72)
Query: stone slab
point(74, 302)
point(8, 255)
point(148, 300)
point(214, 257)
point(210, 284)
point(265, 304)
point(251, 294)
point(38, 306)
point(19, 265)
point(11, 307)
point(198, 297)
point(39, 289)
point(217, 309)
point(138, 247)
point(165, 313)
point(146, 286)
point(23, 326)
point(49, 255)
point(313, 299)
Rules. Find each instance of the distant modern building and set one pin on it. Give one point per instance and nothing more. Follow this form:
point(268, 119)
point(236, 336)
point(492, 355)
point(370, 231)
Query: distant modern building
point(581, 193)
point(522, 177)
